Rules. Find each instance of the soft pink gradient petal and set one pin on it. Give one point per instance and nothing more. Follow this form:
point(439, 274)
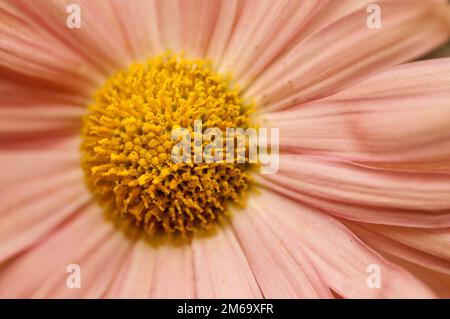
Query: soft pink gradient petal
point(394, 248)
point(262, 31)
point(169, 24)
point(173, 273)
point(368, 214)
point(14, 91)
point(339, 256)
point(412, 78)
point(350, 52)
point(438, 282)
point(43, 268)
point(221, 268)
point(99, 42)
point(196, 16)
point(135, 277)
point(363, 194)
point(38, 120)
point(279, 273)
point(32, 209)
point(31, 52)
point(435, 242)
point(373, 129)
point(250, 15)
point(336, 10)
point(332, 12)
point(98, 271)
point(229, 13)
point(25, 161)
point(138, 23)
point(346, 182)
point(408, 80)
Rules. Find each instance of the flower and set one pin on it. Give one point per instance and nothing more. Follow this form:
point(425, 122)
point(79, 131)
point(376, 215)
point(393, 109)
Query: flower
point(359, 208)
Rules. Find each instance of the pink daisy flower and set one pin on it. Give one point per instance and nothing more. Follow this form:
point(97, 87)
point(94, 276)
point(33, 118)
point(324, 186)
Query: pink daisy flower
point(360, 205)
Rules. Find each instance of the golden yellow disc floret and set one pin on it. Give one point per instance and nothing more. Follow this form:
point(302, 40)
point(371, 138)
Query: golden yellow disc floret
point(127, 145)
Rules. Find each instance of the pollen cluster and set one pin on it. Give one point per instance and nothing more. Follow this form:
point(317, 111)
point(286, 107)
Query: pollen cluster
point(127, 145)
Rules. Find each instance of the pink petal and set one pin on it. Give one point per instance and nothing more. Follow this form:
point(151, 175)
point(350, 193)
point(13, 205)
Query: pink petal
point(136, 275)
point(438, 282)
point(221, 268)
point(198, 24)
point(98, 270)
point(169, 24)
point(17, 122)
point(334, 11)
point(340, 258)
point(366, 214)
point(262, 31)
point(435, 242)
point(350, 52)
point(174, 273)
point(24, 95)
point(392, 247)
point(413, 78)
point(361, 186)
point(49, 156)
point(138, 23)
point(29, 52)
point(279, 273)
point(104, 46)
point(31, 210)
point(42, 270)
point(437, 166)
point(410, 128)
point(227, 17)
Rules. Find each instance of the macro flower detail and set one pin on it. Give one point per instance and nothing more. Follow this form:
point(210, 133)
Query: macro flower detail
point(358, 208)
point(128, 146)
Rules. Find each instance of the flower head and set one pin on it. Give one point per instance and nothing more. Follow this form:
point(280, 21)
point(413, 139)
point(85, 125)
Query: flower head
point(124, 110)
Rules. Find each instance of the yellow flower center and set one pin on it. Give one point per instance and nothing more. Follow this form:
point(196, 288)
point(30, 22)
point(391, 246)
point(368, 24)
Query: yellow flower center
point(128, 142)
